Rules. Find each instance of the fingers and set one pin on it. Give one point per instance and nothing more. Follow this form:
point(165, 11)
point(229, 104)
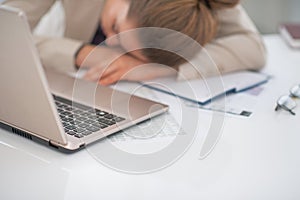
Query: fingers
point(93, 74)
point(114, 76)
point(96, 73)
point(116, 71)
point(111, 79)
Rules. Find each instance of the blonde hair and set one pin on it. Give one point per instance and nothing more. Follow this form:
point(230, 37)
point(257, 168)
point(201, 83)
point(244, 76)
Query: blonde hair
point(194, 18)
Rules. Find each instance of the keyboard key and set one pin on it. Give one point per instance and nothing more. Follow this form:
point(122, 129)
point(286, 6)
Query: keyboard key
point(66, 113)
point(89, 121)
point(109, 116)
point(80, 120)
point(77, 111)
point(110, 123)
point(94, 117)
point(101, 126)
point(68, 120)
point(60, 110)
point(101, 113)
point(118, 119)
point(102, 120)
point(86, 114)
point(75, 116)
point(71, 127)
point(83, 125)
point(62, 106)
point(72, 122)
point(69, 109)
point(71, 133)
point(85, 133)
point(106, 121)
point(57, 103)
point(78, 135)
point(70, 116)
point(65, 124)
point(79, 130)
point(93, 128)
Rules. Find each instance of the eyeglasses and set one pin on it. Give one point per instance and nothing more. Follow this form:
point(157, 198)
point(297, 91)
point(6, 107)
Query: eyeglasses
point(287, 102)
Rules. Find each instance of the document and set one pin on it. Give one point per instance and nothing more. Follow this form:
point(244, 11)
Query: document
point(203, 91)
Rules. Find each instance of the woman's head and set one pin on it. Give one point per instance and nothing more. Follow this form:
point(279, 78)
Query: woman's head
point(195, 18)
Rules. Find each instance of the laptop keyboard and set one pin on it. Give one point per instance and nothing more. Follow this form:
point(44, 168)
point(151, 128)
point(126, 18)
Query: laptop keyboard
point(79, 120)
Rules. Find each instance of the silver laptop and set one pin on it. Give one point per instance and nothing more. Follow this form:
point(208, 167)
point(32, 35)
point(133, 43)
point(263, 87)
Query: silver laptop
point(55, 109)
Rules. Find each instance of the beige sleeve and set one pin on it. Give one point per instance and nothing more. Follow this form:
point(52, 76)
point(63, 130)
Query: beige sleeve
point(238, 46)
point(57, 53)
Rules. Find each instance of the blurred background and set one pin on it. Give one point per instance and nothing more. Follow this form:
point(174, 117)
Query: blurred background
point(268, 14)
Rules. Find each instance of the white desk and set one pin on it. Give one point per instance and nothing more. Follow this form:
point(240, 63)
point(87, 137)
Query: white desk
point(256, 158)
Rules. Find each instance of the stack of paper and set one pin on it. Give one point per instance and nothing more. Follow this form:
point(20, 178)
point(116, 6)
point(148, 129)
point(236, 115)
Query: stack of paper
point(204, 91)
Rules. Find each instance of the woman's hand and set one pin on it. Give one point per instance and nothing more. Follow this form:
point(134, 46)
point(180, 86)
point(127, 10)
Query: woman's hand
point(107, 65)
point(91, 56)
point(127, 68)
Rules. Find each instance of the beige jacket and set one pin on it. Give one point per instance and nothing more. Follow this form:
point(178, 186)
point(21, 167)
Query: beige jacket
point(237, 46)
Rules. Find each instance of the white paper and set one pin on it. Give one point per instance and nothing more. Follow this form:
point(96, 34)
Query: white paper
point(202, 91)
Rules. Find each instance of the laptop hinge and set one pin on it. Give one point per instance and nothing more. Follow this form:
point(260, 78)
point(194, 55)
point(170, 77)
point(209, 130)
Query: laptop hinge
point(54, 144)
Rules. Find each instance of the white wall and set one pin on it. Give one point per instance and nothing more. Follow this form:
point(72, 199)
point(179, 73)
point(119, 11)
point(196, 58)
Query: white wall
point(268, 14)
